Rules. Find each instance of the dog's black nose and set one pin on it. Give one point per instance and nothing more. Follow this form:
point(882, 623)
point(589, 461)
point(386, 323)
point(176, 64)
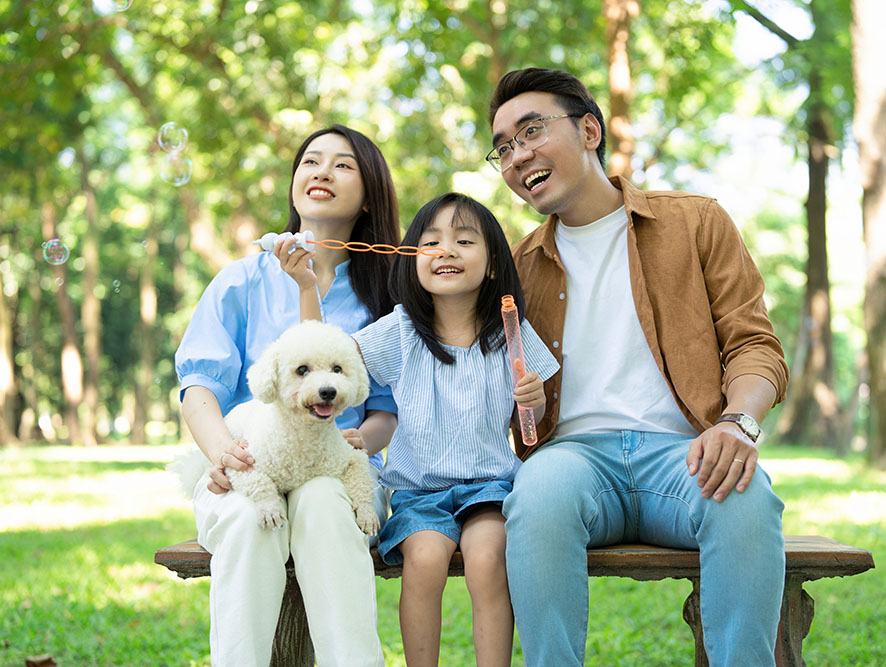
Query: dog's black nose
point(327, 393)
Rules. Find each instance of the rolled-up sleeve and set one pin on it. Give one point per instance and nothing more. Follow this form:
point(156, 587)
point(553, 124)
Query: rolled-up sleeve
point(748, 344)
point(211, 353)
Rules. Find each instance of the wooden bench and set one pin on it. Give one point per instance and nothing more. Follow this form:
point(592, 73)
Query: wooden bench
point(807, 558)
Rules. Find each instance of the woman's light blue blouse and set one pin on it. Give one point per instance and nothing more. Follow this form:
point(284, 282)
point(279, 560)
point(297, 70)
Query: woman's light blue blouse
point(247, 306)
point(453, 419)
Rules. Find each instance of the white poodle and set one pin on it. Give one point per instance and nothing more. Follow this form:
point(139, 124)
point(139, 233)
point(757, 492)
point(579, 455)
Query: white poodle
point(301, 383)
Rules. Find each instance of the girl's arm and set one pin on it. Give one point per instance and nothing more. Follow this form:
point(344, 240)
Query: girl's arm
point(374, 433)
point(529, 392)
point(298, 265)
point(203, 416)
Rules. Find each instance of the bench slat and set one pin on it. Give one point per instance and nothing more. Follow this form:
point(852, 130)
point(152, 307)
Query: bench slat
point(808, 557)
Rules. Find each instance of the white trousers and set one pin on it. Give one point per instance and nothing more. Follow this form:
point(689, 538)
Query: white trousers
point(248, 567)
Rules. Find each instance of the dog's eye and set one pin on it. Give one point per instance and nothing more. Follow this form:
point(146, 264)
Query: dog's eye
point(301, 370)
point(336, 369)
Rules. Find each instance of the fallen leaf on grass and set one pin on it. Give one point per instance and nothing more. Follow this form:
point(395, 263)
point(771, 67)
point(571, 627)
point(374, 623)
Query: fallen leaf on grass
point(40, 661)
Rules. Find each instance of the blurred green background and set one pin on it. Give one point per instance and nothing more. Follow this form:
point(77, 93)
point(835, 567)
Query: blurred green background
point(107, 240)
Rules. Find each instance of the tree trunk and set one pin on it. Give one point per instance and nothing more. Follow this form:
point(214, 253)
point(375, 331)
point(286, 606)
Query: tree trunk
point(619, 14)
point(812, 413)
point(90, 310)
point(7, 371)
point(147, 290)
point(869, 54)
point(72, 365)
point(28, 426)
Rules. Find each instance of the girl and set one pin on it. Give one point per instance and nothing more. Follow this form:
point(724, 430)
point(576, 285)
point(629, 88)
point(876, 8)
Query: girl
point(443, 353)
point(341, 188)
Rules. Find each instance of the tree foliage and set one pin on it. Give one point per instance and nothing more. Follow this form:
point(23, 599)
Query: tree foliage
point(87, 89)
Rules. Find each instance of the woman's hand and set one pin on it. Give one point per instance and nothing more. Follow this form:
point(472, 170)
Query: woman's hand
point(237, 457)
point(355, 439)
point(296, 263)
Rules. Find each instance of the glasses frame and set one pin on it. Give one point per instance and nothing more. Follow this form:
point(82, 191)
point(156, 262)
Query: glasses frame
point(494, 159)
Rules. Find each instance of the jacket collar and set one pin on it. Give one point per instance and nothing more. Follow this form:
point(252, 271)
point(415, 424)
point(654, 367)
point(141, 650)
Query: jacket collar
point(635, 205)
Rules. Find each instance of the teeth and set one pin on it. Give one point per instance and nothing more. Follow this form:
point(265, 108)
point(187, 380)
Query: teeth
point(316, 191)
point(448, 271)
point(532, 180)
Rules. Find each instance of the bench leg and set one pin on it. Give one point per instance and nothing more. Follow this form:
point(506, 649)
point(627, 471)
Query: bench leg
point(292, 642)
point(797, 610)
point(692, 616)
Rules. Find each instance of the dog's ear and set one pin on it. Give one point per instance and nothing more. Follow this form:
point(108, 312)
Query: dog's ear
point(262, 375)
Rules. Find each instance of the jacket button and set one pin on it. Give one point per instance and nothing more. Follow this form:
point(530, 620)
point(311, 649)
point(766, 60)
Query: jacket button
point(556, 344)
point(562, 295)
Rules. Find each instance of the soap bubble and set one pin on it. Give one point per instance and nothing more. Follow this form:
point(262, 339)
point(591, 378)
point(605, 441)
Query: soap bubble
point(55, 252)
point(116, 285)
point(176, 169)
point(172, 137)
point(59, 281)
point(107, 7)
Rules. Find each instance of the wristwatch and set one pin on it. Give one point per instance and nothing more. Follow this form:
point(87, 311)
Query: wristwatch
point(745, 422)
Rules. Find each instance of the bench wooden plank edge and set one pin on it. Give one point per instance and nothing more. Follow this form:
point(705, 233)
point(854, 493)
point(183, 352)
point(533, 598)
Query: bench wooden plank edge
point(807, 557)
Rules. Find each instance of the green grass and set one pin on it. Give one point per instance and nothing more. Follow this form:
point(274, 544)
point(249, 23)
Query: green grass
point(78, 528)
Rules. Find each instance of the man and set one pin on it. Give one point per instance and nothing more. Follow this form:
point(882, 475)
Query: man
point(654, 309)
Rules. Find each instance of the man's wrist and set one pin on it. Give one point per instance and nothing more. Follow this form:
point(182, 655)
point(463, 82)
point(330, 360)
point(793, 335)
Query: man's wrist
point(744, 421)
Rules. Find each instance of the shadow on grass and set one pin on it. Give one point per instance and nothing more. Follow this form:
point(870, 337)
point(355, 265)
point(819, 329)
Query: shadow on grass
point(56, 470)
point(92, 595)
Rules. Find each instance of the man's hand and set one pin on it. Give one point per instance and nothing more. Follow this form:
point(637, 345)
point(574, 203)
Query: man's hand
point(355, 439)
point(237, 457)
point(728, 460)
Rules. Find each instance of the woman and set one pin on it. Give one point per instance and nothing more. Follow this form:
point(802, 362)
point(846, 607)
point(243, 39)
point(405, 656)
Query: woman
point(341, 189)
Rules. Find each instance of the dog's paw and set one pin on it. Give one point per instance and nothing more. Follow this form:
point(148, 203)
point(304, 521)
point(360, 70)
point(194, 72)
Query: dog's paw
point(367, 519)
point(271, 516)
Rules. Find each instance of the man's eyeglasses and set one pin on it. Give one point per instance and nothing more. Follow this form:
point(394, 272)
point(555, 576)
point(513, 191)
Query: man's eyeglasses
point(530, 136)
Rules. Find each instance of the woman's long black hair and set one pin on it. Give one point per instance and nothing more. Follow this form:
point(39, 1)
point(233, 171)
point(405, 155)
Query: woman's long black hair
point(501, 278)
point(380, 223)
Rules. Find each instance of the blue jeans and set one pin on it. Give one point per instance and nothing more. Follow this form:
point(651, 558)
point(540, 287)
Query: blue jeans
point(594, 490)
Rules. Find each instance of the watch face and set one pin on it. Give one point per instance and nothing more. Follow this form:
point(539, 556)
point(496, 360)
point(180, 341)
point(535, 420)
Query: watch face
point(749, 426)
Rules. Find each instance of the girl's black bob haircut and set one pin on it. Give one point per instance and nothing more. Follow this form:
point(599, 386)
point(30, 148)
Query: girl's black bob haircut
point(501, 278)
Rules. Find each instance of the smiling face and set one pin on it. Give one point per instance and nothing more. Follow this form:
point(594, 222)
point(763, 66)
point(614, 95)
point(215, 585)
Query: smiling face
point(327, 186)
point(461, 270)
point(556, 177)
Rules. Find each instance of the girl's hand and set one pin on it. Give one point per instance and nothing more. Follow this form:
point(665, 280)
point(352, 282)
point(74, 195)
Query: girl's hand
point(237, 457)
point(529, 391)
point(355, 439)
point(297, 264)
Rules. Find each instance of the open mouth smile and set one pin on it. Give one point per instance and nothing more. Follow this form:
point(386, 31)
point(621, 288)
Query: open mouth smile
point(535, 180)
point(320, 193)
point(321, 411)
point(447, 271)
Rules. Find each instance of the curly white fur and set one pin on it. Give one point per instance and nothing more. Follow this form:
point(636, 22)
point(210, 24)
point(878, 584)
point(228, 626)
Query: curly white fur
point(301, 382)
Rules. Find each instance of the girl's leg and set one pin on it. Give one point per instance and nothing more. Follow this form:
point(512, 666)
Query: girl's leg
point(426, 556)
point(483, 548)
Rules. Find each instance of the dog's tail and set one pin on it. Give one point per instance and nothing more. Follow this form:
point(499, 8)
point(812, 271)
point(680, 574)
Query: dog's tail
point(190, 468)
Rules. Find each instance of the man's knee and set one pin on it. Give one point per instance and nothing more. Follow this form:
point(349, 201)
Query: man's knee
point(550, 490)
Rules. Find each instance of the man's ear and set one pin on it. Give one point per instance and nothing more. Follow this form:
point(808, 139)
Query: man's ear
point(591, 132)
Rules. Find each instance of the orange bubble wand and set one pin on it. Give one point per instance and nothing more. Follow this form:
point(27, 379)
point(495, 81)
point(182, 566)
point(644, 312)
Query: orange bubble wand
point(518, 365)
point(303, 238)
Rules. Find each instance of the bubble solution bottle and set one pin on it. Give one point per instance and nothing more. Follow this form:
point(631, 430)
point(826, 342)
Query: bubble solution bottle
point(518, 364)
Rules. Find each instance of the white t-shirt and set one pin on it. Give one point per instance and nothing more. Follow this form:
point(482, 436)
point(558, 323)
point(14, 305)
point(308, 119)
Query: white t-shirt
point(610, 379)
